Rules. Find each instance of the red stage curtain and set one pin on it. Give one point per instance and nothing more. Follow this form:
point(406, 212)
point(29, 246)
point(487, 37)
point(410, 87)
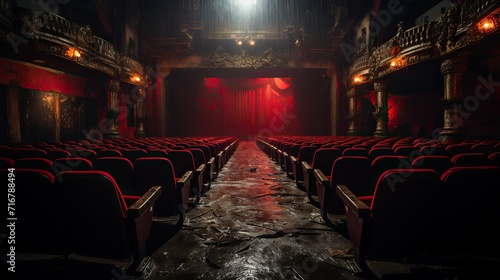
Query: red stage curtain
point(247, 107)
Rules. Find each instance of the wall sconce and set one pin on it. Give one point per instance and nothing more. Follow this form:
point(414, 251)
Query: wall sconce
point(397, 63)
point(135, 79)
point(486, 25)
point(358, 79)
point(73, 53)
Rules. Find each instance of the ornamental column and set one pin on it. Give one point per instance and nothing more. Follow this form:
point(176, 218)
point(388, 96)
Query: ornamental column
point(140, 112)
point(452, 70)
point(112, 88)
point(352, 128)
point(381, 111)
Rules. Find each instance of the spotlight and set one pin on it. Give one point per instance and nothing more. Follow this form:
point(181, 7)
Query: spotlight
point(239, 42)
point(486, 25)
point(251, 42)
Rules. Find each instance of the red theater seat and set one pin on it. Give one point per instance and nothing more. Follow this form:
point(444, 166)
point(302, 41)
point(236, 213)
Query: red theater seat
point(69, 164)
point(152, 171)
point(437, 163)
point(306, 154)
point(183, 161)
point(395, 222)
point(470, 159)
point(121, 169)
point(39, 228)
point(6, 163)
point(101, 222)
point(468, 217)
point(351, 171)
point(323, 160)
point(35, 163)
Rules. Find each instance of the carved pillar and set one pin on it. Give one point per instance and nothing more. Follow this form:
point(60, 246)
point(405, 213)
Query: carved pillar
point(352, 118)
point(334, 94)
point(57, 117)
point(140, 112)
point(381, 111)
point(112, 87)
point(452, 70)
point(13, 113)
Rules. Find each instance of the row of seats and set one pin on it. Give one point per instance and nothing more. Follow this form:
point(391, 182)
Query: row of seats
point(434, 198)
point(103, 207)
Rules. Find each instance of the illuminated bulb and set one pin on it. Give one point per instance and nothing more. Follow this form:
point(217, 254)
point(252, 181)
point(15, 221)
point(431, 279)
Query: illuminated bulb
point(251, 42)
point(239, 42)
point(486, 25)
point(357, 80)
point(393, 64)
point(77, 53)
point(135, 79)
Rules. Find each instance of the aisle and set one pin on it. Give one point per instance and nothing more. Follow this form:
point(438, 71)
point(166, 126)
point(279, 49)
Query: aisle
point(254, 223)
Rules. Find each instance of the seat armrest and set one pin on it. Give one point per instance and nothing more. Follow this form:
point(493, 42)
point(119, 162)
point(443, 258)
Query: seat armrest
point(144, 203)
point(293, 160)
point(200, 169)
point(351, 201)
point(185, 179)
point(307, 167)
point(321, 178)
point(211, 161)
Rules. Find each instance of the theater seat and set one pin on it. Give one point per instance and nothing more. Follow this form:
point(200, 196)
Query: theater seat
point(323, 160)
point(470, 159)
point(6, 162)
point(158, 171)
point(122, 171)
point(35, 163)
point(71, 164)
point(468, 217)
point(437, 163)
point(351, 171)
point(39, 225)
point(102, 224)
point(395, 222)
point(306, 154)
point(183, 161)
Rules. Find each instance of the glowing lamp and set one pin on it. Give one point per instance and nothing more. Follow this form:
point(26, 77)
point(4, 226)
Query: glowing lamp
point(358, 79)
point(486, 25)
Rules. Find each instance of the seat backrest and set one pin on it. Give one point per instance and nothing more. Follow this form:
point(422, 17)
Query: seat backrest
point(198, 156)
point(495, 159)
point(324, 158)
point(68, 164)
point(57, 153)
point(158, 171)
point(30, 153)
point(407, 151)
point(306, 153)
point(469, 194)
point(206, 151)
point(40, 226)
point(384, 163)
point(470, 159)
point(437, 163)
point(402, 208)
point(95, 212)
point(121, 169)
point(434, 150)
point(6, 162)
point(109, 153)
point(351, 171)
point(377, 151)
point(35, 163)
point(133, 153)
point(182, 160)
point(485, 148)
point(455, 149)
point(362, 152)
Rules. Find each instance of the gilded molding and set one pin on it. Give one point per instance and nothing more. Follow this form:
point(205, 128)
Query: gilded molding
point(456, 29)
point(221, 59)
